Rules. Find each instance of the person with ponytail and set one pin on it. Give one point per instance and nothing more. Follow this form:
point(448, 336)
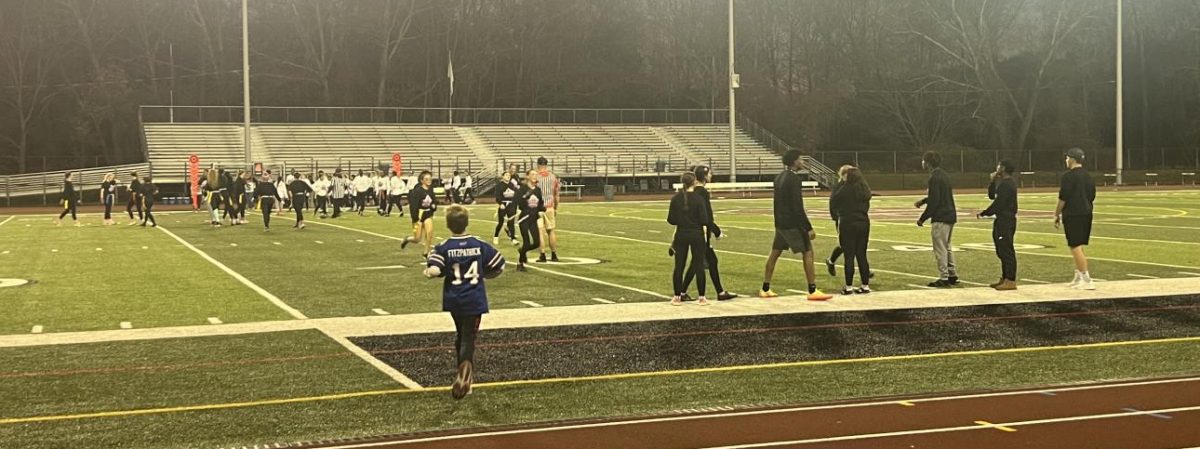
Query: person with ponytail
point(108, 196)
point(690, 215)
point(506, 209)
point(69, 199)
point(851, 203)
point(704, 176)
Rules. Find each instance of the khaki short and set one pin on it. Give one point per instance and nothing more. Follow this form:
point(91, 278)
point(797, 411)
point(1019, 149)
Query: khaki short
point(550, 221)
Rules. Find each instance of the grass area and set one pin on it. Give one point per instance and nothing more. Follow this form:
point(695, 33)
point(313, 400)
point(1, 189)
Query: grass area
point(408, 412)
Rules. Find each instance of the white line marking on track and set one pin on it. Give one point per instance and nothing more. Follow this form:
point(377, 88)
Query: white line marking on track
point(214, 320)
point(995, 426)
point(603, 301)
point(531, 304)
point(126, 325)
point(791, 410)
point(6, 220)
point(1187, 273)
point(380, 312)
point(1034, 281)
point(265, 294)
point(36, 329)
point(1141, 276)
point(378, 364)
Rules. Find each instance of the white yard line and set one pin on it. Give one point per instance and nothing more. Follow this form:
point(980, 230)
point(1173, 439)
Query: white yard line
point(386, 267)
point(923, 287)
point(1055, 234)
point(597, 281)
point(126, 325)
point(603, 301)
point(265, 294)
point(531, 304)
point(378, 364)
point(380, 312)
point(1142, 276)
point(1188, 273)
point(6, 220)
point(1034, 281)
point(214, 320)
point(36, 329)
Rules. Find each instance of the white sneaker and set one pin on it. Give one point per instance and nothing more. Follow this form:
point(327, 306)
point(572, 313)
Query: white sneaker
point(1086, 284)
point(1075, 282)
point(516, 242)
point(495, 240)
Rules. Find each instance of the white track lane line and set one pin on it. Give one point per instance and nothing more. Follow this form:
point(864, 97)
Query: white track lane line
point(378, 364)
point(775, 411)
point(265, 294)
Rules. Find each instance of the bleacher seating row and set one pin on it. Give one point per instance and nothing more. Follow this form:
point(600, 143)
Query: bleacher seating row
point(583, 150)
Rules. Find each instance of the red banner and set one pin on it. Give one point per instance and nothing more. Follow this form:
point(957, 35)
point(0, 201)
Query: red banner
point(397, 163)
point(194, 177)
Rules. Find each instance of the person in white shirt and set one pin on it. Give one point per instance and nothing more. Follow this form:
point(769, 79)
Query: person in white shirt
point(381, 193)
point(321, 191)
point(396, 190)
point(361, 185)
point(281, 185)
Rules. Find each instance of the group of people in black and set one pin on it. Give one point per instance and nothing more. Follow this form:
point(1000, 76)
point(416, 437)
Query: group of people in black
point(849, 206)
point(142, 194)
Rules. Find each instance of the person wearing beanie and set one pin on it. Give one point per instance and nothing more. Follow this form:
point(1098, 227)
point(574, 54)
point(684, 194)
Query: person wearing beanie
point(1076, 193)
point(1003, 193)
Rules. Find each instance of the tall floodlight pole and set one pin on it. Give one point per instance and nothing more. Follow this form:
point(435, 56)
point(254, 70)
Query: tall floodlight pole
point(246, 82)
point(733, 83)
point(1120, 99)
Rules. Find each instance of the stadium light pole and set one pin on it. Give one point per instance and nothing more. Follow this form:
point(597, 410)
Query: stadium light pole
point(246, 82)
point(1120, 98)
point(733, 84)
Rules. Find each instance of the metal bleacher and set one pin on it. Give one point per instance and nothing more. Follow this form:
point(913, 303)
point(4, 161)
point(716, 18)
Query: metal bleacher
point(710, 143)
point(583, 150)
point(169, 144)
point(307, 146)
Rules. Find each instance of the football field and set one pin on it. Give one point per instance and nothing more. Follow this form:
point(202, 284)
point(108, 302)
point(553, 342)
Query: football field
point(194, 336)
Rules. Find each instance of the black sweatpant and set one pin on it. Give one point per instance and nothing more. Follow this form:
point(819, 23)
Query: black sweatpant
point(530, 236)
point(853, 237)
point(694, 242)
point(299, 202)
point(1002, 237)
point(267, 204)
point(362, 201)
point(714, 272)
point(337, 206)
point(149, 206)
point(69, 208)
point(322, 205)
point(133, 202)
point(108, 204)
point(466, 329)
point(503, 218)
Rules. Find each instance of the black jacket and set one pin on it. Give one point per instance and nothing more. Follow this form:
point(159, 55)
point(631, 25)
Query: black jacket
point(850, 205)
point(530, 201)
point(1003, 193)
point(789, 202)
point(713, 229)
point(689, 212)
point(939, 204)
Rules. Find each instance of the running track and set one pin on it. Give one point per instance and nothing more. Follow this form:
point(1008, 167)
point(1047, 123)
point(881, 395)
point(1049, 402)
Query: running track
point(1156, 414)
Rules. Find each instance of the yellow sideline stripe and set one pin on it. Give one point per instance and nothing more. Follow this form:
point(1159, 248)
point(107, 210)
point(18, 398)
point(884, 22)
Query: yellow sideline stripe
point(333, 397)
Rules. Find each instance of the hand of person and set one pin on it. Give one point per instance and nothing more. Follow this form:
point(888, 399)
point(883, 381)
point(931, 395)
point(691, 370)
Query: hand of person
point(917, 204)
point(1057, 221)
point(433, 272)
point(920, 223)
point(812, 235)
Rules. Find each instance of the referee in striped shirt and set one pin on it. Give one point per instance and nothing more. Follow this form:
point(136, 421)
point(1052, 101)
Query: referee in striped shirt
point(548, 183)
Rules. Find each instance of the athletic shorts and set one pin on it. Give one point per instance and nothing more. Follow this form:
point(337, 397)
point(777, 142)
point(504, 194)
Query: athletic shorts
point(422, 215)
point(549, 221)
point(795, 240)
point(1078, 229)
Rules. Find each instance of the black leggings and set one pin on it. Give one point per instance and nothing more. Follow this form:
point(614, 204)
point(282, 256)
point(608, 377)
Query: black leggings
point(694, 242)
point(69, 208)
point(502, 218)
point(149, 214)
point(713, 271)
point(466, 330)
point(853, 238)
point(298, 204)
point(322, 205)
point(267, 205)
point(530, 236)
point(133, 202)
point(108, 204)
point(362, 201)
point(1002, 238)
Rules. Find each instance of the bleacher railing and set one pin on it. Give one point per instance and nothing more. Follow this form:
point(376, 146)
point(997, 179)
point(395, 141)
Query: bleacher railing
point(48, 184)
point(431, 116)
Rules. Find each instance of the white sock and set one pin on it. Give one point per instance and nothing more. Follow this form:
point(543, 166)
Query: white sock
point(1085, 276)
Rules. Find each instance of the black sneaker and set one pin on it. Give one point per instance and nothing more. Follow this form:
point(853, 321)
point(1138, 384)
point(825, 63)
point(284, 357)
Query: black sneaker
point(462, 381)
point(542, 258)
point(726, 296)
point(871, 275)
point(686, 297)
point(521, 268)
point(940, 283)
point(404, 243)
point(554, 257)
point(863, 290)
point(829, 265)
point(953, 280)
point(847, 291)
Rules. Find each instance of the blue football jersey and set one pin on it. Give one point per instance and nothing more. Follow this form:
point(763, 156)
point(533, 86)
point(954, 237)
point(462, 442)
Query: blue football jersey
point(465, 261)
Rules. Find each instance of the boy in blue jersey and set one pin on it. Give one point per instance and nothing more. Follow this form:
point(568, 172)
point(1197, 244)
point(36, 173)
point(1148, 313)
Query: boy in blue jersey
point(464, 261)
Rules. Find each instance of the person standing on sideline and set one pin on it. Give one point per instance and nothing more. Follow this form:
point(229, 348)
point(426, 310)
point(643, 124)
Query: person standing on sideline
point(396, 189)
point(299, 189)
point(321, 190)
point(69, 199)
point(704, 176)
point(548, 183)
point(831, 262)
point(1076, 193)
point(1003, 193)
point(939, 208)
point(340, 188)
point(793, 230)
point(691, 217)
point(135, 187)
point(108, 196)
point(149, 191)
point(852, 205)
point(281, 186)
point(362, 189)
point(465, 262)
point(505, 209)
point(381, 193)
